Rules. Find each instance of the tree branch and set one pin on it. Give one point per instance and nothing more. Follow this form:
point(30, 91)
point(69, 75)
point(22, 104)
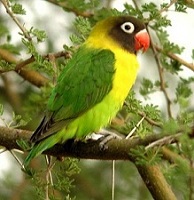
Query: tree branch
point(32, 76)
point(117, 149)
point(155, 182)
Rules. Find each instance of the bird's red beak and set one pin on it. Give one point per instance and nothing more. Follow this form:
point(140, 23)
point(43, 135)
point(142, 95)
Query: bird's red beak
point(142, 40)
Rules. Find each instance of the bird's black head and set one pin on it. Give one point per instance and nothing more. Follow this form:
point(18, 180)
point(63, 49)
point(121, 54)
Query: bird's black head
point(130, 33)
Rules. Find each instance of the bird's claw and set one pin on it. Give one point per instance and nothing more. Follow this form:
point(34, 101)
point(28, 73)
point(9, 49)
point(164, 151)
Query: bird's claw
point(108, 136)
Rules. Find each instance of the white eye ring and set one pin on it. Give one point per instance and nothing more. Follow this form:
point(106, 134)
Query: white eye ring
point(128, 27)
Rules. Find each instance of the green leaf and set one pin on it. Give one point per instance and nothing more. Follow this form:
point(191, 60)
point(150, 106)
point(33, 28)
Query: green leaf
point(3, 30)
point(39, 34)
point(6, 66)
point(18, 9)
point(162, 21)
point(171, 65)
point(162, 36)
point(133, 104)
point(149, 7)
point(172, 47)
point(183, 90)
point(11, 48)
point(1, 109)
point(18, 121)
point(145, 157)
point(187, 146)
point(130, 10)
point(180, 6)
point(104, 13)
point(171, 126)
point(152, 111)
point(146, 87)
point(81, 5)
point(183, 93)
point(192, 54)
point(163, 5)
point(83, 28)
point(23, 144)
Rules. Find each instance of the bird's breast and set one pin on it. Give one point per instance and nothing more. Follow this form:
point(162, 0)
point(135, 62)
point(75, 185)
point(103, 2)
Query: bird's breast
point(126, 67)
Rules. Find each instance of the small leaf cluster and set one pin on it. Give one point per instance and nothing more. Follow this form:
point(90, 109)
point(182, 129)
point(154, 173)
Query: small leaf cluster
point(154, 16)
point(83, 27)
point(148, 87)
point(133, 112)
point(146, 157)
point(6, 66)
point(135, 106)
point(62, 176)
point(81, 5)
point(16, 120)
point(18, 9)
point(64, 172)
point(184, 92)
point(170, 126)
point(131, 10)
point(180, 6)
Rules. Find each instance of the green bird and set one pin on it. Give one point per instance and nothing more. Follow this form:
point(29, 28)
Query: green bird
point(93, 85)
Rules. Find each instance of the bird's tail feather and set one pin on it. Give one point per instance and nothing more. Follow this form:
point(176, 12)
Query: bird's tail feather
point(39, 148)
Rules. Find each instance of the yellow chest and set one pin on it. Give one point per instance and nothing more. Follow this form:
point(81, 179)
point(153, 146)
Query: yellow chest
point(126, 71)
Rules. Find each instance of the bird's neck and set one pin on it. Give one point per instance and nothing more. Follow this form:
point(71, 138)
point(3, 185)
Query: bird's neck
point(100, 40)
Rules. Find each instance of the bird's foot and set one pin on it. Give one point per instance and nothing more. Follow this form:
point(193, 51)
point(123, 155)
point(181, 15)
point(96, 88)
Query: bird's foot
point(106, 137)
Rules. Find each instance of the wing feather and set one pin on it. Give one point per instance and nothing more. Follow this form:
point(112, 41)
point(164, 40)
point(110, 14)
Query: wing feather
point(84, 82)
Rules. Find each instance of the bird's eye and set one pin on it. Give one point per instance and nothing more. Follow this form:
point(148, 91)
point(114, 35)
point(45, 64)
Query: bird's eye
point(127, 27)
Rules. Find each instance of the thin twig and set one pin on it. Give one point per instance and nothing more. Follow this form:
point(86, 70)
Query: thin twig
point(113, 179)
point(135, 128)
point(166, 8)
point(161, 76)
point(9, 11)
point(191, 180)
point(135, 4)
point(32, 76)
point(150, 121)
point(163, 141)
point(59, 54)
point(16, 158)
point(49, 178)
point(175, 57)
point(64, 5)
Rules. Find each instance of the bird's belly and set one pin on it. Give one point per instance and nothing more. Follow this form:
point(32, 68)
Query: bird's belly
point(95, 118)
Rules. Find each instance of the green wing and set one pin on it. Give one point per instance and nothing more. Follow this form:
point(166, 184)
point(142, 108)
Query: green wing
point(84, 82)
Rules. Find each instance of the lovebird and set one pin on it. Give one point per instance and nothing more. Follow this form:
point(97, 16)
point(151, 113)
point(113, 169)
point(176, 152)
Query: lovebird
point(93, 85)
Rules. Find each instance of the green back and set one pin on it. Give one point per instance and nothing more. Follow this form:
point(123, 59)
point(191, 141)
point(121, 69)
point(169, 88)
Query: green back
point(84, 82)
